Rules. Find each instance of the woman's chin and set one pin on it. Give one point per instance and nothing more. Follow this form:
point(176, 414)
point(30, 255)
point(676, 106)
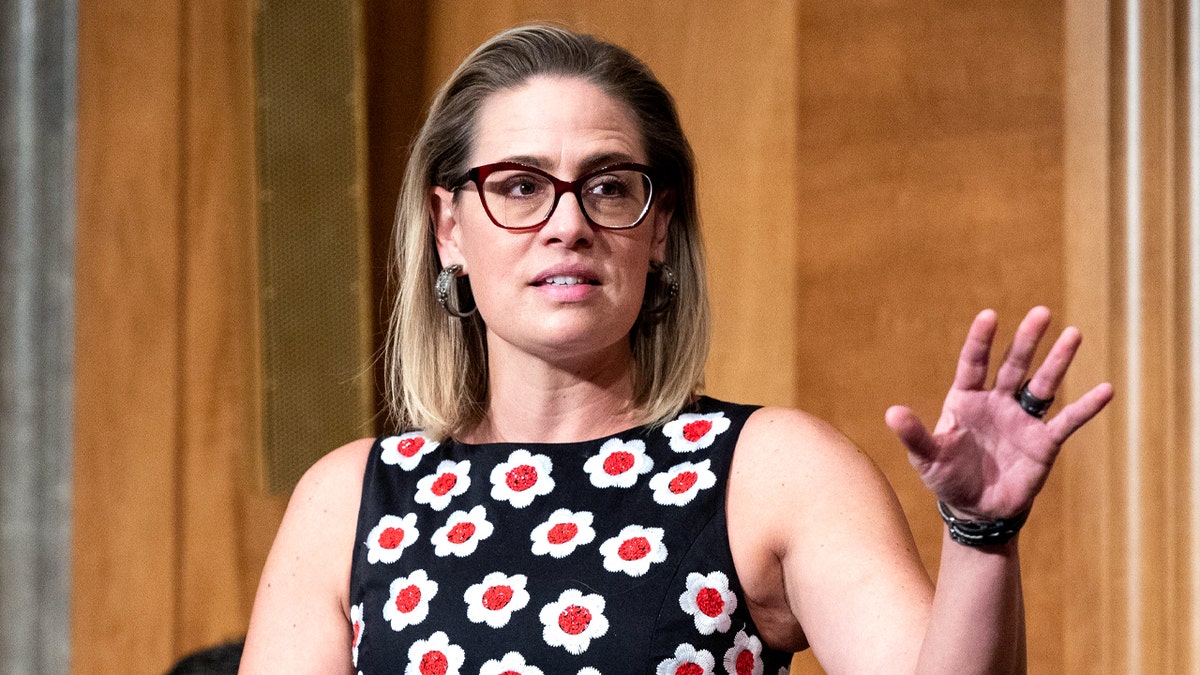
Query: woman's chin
point(570, 339)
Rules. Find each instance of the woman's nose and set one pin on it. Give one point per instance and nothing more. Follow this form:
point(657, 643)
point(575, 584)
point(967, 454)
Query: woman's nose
point(568, 225)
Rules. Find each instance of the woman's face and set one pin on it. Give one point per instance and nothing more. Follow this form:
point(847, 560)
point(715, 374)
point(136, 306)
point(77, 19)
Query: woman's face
point(568, 289)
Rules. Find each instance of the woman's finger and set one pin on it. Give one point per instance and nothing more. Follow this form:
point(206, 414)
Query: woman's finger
point(1049, 375)
point(1012, 370)
point(972, 368)
point(1075, 415)
point(921, 447)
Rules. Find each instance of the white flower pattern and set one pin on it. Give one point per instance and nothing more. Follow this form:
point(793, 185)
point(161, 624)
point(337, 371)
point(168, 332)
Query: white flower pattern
point(634, 550)
point(562, 533)
point(408, 600)
point(434, 656)
point(522, 478)
point(573, 621)
point(387, 540)
point(687, 661)
point(462, 533)
point(744, 657)
point(678, 485)
point(618, 463)
point(493, 600)
point(562, 496)
point(358, 628)
point(448, 481)
point(693, 431)
point(406, 450)
point(709, 601)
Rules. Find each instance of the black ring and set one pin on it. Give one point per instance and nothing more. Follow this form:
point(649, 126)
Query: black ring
point(1032, 404)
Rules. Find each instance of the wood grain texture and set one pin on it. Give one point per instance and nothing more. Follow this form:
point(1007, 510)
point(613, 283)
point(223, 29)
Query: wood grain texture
point(221, 545)
point(1093, 515)
point(170, 534)
point(930, 174)
point(127, 336)
point(1149, 228)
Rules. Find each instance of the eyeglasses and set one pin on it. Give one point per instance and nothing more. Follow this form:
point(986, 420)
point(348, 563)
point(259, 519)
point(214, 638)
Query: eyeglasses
point(520, 197)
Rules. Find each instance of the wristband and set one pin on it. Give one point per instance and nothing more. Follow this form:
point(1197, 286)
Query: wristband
point(981, 532)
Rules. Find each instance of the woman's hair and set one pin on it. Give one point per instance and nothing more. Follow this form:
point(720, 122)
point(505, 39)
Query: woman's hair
point(437, 364)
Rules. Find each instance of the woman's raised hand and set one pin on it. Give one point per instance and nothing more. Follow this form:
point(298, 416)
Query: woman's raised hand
point(988, 457)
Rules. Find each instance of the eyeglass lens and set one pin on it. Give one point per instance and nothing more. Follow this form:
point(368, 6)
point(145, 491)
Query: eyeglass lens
point(518, 199)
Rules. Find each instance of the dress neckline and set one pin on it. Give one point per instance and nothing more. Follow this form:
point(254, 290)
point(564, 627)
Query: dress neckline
point(701, 403)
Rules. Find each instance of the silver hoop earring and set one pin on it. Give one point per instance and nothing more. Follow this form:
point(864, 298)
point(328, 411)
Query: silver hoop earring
point(667, 289)
point(441, 289)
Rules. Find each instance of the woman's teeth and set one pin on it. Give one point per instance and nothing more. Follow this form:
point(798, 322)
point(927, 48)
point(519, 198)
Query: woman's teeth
point(565, 281)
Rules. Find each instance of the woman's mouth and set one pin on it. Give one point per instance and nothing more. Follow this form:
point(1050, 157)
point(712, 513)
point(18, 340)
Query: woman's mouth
point(566, 280)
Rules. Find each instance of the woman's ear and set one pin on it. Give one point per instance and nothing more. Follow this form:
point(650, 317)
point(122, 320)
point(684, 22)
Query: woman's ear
point(664, 210)
point(445, 226)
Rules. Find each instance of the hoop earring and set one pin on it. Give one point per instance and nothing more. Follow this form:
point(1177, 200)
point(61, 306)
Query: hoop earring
point(441, 290)
point(669, 289)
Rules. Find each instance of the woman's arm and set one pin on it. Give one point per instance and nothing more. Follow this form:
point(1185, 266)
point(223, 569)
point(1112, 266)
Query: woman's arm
point(827, 555)
point(301, 617)
point(822, 548)
point(986, 460)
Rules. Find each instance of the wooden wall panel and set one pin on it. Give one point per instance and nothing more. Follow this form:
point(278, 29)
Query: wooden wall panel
point(1093, 495)
point(170, 535)
point(127, 335)
point(1132, 119)
point(930, 174)
point(225, 525)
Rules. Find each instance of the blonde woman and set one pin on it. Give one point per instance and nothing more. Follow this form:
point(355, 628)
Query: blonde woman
point(559, 497)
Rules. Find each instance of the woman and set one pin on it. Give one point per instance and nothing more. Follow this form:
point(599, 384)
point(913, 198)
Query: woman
point(563, 501)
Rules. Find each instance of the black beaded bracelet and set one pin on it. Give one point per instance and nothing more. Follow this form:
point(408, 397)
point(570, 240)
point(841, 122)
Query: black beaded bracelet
point(982, 532)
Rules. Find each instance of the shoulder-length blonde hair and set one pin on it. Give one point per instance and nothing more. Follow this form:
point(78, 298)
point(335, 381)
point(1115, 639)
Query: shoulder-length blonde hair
point(437, 364)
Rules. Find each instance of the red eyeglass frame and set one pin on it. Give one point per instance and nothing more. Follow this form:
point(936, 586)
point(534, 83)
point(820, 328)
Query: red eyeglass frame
point(479, 174)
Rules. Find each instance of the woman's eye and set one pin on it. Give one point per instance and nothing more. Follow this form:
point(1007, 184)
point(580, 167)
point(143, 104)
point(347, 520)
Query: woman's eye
point(607, 186)
point(520, 187)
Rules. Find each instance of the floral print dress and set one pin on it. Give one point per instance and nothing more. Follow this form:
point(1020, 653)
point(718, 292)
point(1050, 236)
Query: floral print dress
point(602, 557)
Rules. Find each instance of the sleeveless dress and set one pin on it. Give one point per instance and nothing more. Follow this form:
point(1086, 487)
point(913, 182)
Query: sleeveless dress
point(606, 557)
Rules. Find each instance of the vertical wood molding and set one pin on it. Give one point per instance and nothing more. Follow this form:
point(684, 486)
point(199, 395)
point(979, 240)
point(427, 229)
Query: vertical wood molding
point(1095, 618)
point(1185, 280)
point(1189, 236)
point(1141, 132)
point(215, 582)
point(1146, 200)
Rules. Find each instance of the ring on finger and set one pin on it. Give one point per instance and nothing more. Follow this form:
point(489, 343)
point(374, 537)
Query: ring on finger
point(1032, 404)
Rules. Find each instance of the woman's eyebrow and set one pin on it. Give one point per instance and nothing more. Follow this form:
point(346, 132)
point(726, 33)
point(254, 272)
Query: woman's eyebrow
point(604, 159)
point(589, 163)
point(529, 160)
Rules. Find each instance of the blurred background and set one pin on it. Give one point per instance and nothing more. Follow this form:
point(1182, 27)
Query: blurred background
point(871, 175)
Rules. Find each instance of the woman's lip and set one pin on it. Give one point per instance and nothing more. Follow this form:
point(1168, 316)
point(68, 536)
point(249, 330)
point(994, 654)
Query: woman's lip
point(566, 280)
point(583, 276)
point(567, 293)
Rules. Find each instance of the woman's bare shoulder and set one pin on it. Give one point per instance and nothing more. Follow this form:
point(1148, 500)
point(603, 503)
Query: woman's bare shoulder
point(338, 475)
point(323, 509)
point(307, 573)
point(795, 447)
point(818, 533)
point(794, 463)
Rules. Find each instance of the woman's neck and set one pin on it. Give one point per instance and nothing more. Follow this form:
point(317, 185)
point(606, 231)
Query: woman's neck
point(531, 400)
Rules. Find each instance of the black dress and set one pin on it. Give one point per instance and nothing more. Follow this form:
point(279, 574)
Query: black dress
point(607, 556)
